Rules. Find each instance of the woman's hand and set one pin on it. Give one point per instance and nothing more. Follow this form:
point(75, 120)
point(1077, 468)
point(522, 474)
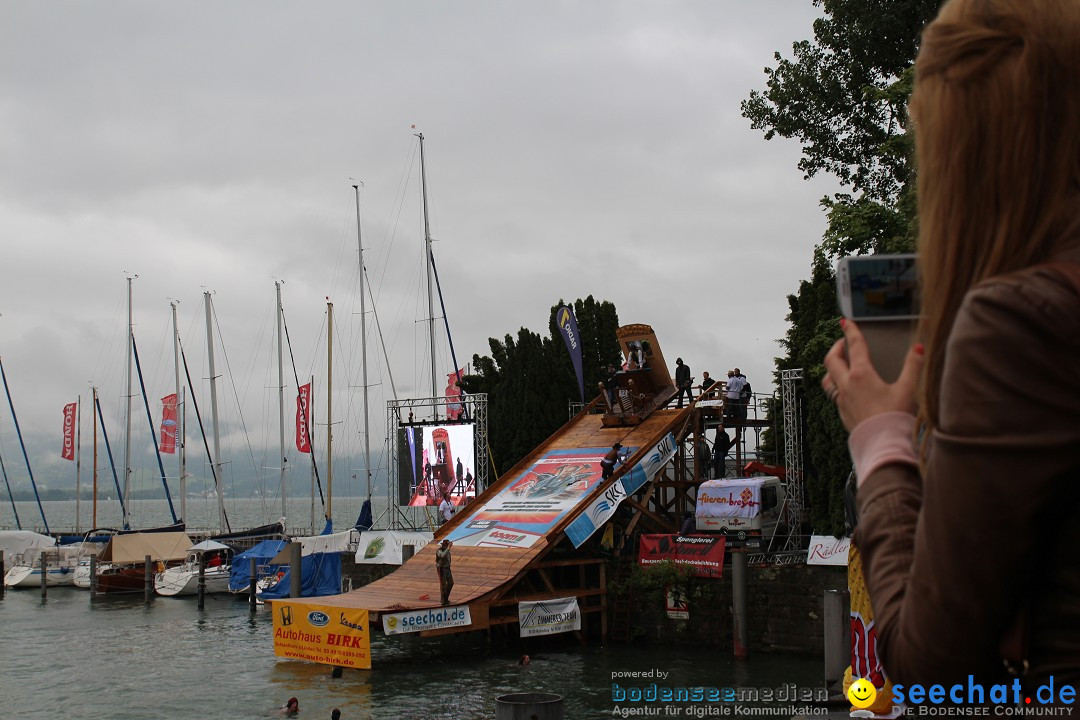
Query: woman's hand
point(855, 386)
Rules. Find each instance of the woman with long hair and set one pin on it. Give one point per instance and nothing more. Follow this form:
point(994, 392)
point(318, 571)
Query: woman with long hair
point(969, 465)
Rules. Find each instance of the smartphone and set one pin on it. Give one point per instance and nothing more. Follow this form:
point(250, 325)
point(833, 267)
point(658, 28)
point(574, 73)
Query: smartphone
point(880, 292)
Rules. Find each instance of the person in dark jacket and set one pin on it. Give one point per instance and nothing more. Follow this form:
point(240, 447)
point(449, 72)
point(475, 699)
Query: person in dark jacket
point(683, 381)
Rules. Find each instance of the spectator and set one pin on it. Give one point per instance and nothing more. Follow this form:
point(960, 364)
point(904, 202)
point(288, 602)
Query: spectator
point(706, 382)
point(683, 381)
point(732, 395)
point(446, 509)
point(611, 386)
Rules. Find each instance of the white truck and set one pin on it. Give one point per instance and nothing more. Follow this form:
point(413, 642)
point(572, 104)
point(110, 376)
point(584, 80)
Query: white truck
point(744, 509)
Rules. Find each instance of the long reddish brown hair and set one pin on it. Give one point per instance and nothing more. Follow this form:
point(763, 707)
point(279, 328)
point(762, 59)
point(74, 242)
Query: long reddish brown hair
point(996, 113)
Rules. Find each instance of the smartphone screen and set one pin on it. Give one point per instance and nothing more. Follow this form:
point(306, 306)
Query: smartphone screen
point(878, 287)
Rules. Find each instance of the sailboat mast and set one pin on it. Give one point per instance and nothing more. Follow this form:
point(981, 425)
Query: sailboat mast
point(427, 264)
point(180, 430)
point(26, 457)
point(363, 346)
point(93, 415)
point(329, 409)
point(216, 460)
point(127, 414)
point(281, 395)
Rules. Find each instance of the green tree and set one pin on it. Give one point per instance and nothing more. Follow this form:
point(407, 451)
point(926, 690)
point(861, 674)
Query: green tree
point(530, 379)
point(844, 97)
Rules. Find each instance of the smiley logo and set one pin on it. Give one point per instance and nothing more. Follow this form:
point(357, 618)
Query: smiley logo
point(862, 693)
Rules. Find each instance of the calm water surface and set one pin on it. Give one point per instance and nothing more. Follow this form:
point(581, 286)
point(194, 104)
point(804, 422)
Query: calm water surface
point(120, 659)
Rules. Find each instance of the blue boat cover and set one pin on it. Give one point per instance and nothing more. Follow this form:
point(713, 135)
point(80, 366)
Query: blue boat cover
point(320, 574)
point(264, 552)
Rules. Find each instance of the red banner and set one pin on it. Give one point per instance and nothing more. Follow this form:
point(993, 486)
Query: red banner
point(168, 424)
point(68, 450)
point(303, 418)
point(454, 408)
point(704, 553)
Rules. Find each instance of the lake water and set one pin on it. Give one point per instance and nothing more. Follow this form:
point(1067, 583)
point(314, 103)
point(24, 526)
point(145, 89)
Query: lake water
point(116, 658)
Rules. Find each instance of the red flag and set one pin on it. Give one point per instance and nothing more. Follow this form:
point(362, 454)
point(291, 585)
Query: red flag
point(68, 451)
point(454, 408)
point(168, 424)
point(303, 418)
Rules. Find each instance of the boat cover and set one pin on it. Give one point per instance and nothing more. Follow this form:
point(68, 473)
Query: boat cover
point(320, 575)
point(208, 545)
point(134, 548)
point(264, 552)
point(16, 542)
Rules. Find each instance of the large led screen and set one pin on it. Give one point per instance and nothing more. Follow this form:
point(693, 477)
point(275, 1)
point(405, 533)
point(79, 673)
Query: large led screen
point(433, 459)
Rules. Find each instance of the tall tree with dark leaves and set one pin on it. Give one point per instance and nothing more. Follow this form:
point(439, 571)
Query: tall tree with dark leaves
point(530, 379)
point(844, 96)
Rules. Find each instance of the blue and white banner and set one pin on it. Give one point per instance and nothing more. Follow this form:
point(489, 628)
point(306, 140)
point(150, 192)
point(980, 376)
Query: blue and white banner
point(602, 508)
point(564, 318)
point(549, 617)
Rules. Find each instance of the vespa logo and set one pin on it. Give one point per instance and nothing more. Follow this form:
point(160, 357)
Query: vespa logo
point(564, 323)
point(318, 619)
point(286, 615)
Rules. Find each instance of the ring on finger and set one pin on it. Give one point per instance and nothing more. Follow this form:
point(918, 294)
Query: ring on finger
point(832, 392)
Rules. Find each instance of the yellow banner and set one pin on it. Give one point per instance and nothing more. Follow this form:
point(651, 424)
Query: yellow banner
point(322, 634)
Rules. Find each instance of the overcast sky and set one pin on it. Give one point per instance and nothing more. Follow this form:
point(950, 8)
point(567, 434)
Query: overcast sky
point(572, 148)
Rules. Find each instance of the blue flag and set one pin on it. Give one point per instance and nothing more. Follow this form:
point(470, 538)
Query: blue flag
point(567, 323)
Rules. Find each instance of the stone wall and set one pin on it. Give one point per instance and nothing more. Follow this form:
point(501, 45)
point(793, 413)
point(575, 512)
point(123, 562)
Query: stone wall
point(785, 607)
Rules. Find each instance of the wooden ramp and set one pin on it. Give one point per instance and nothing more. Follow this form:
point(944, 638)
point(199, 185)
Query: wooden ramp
point(491, 579)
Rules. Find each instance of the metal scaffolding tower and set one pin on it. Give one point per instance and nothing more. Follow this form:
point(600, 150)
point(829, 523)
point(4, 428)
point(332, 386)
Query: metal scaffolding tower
point(793, 454)
point(431, 410)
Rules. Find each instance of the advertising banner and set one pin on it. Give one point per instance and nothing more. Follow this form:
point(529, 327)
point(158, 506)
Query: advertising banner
point(549, 617)
point(530, 506)
point(322, 634)
point(740, 497)
point(602, 508)
point(651, 464)
point(420, 620)
point(383, 547)
point(67, 452)
point(168, 424)
point(564, 318)
point(828, 550)
point(704, 553)
point(303, 418)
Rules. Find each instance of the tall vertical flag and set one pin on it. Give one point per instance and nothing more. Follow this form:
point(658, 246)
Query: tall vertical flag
point(454, 408)
point(168, 424)
point(567, 323)
point(67, 452)
point(303, 418)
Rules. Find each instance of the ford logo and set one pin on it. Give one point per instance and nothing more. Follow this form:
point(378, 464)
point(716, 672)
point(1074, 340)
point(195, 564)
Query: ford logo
point(318, 619)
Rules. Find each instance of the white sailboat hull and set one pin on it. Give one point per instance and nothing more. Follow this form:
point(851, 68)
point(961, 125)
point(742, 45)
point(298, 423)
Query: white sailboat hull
point(30, 577)
point(184, 580)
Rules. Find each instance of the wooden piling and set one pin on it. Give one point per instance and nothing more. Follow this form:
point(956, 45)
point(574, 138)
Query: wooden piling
point(295, 575)
point(252, 581)
point(739, 616)
point(148, 574)
point(202, 581)
point(93, 576)
point(44, 575)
